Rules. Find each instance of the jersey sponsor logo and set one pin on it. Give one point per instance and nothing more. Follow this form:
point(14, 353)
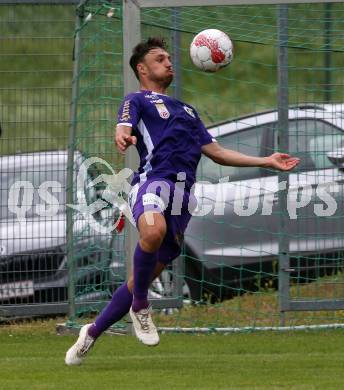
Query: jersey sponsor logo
point(154, 98)
point(162, 110)
point(158, 101)
point(190, 111)
point(151, 96)
point(125, 113)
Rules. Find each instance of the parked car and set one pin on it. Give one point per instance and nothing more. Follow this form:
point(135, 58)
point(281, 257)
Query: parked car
point(234, 246)
point(33, 260)
point(33, 242)
point(224, 250)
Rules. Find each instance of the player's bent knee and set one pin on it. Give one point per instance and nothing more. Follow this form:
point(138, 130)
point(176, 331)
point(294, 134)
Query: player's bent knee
point(151, 236)
point(151, 239)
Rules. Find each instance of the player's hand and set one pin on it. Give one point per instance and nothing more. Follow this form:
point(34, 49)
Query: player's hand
point(123, 141)
point(281, 161)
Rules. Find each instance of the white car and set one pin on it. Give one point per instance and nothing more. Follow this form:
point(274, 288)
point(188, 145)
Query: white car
point(33, 261)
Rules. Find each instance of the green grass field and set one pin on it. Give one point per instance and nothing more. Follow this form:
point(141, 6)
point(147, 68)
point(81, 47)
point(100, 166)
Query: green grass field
point(32, 358)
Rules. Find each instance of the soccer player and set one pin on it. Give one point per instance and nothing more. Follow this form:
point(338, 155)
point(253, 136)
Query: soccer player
point(170, 138)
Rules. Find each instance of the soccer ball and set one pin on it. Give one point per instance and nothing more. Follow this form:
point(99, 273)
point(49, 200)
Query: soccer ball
point(211, 50)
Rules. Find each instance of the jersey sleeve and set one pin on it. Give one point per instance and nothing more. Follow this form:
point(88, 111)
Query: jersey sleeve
point(130, 111)
point(205, 137)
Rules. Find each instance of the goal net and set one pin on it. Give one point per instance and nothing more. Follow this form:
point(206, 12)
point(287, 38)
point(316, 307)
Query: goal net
point(263, 248)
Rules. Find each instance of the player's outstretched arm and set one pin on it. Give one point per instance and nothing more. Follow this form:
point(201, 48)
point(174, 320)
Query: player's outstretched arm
point(222, 156)
point(123, 138)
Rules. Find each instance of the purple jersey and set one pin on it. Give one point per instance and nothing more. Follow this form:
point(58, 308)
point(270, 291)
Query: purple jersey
point(169, 134)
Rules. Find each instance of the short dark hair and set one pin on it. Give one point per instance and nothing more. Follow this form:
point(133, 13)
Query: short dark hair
point(142, 49)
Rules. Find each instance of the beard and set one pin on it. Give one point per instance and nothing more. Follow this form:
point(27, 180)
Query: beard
point(163, 81)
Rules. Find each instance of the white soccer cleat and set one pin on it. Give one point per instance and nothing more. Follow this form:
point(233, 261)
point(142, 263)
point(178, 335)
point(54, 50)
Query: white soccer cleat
point(77, 352)
point(143, 326)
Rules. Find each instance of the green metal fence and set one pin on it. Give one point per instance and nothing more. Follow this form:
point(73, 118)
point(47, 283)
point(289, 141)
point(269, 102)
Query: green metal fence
point(281, 264)
point(36, 45)
point(261, 269)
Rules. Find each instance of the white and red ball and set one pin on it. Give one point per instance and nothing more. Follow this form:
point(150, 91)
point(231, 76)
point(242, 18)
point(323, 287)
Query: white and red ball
point(211, 50)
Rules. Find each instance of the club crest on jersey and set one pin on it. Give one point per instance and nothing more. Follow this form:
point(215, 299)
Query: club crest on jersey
point(162, 110)
point(189, 111)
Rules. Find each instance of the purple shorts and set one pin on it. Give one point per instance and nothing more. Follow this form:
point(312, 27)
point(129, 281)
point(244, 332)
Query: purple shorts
point(171, 200)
